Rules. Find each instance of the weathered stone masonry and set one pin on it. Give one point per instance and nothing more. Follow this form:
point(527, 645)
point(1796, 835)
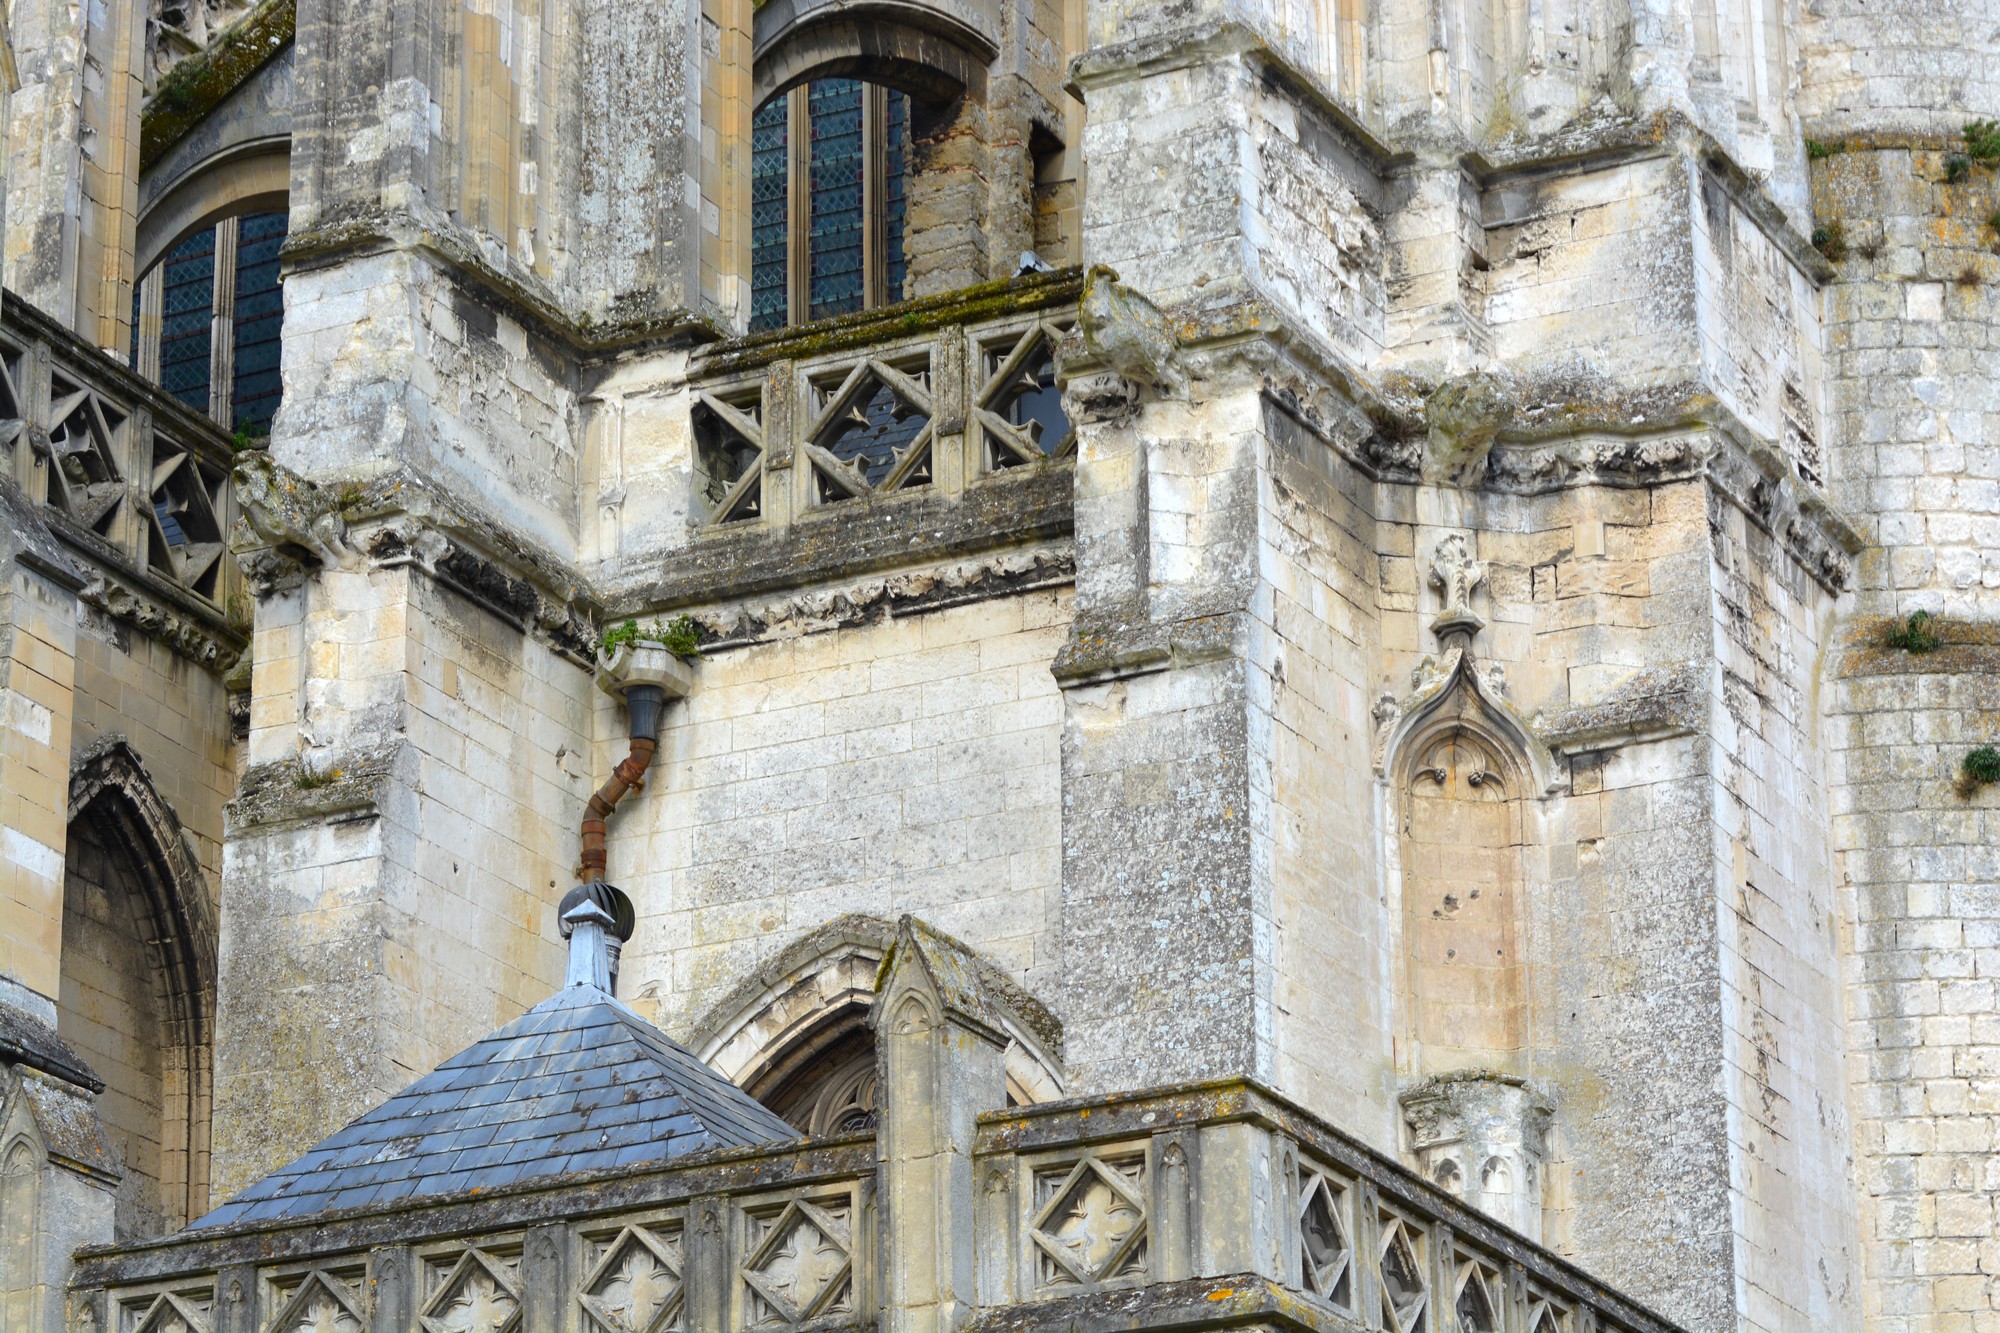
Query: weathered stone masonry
point(1336, 605)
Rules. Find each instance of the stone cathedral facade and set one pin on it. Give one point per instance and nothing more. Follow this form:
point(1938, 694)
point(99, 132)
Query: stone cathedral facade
point(986, 666)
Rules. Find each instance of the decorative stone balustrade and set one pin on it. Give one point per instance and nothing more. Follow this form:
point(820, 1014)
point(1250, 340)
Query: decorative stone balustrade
point(941, 396)
point(134, 488)
point(1225, 1204)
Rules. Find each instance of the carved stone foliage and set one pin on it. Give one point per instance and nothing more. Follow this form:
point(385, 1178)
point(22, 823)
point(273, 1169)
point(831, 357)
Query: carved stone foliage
point(1454, 574)
point(634, 1282)
point(872, 430)
point(800, 1264)
point(1089, 1225)
point(319, 1302)
point(1326, 1235)
point(475, 1291)
point(169, 1312)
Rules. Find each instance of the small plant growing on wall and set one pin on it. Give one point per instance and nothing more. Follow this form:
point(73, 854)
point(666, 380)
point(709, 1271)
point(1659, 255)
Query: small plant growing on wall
point(1979, 768)
point(1982, 141)
point(1956, 168)
point(1915, 635)
point(1830, 239)
point(1818, 150)
point(679, 636)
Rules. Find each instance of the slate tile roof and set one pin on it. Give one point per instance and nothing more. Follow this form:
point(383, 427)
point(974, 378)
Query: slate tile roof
point(578, 1083)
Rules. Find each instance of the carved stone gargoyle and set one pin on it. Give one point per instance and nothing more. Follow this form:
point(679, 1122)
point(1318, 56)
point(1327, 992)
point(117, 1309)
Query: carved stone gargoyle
point(287, 524)
point(1127, 334)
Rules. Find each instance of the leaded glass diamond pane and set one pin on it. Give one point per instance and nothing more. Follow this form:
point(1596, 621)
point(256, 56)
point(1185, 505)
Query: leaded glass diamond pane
point(187, 311)
point(839, 220)
point(260, 319)
point(768, 204)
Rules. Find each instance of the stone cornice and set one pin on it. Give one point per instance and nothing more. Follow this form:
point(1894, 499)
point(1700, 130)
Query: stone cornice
point(202, 82)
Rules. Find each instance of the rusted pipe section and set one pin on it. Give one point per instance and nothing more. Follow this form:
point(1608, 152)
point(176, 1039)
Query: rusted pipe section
point(645, 703)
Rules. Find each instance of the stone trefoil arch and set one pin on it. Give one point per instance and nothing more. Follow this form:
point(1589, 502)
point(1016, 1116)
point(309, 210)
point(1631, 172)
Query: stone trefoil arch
point(1461, 778)
point(796, 1035)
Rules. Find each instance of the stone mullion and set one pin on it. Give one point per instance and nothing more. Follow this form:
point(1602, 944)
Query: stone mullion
point(222, 325)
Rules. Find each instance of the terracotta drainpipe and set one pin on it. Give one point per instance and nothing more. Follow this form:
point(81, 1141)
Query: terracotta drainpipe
point(645, 704)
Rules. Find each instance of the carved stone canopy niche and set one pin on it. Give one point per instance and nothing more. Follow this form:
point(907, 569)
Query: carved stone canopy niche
point(1484, 1138)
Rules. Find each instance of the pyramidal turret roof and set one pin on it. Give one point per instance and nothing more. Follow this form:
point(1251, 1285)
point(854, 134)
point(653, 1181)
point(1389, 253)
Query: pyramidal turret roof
point(578, 1083)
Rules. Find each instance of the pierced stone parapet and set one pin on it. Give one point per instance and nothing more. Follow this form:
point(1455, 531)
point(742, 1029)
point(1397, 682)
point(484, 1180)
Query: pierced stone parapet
point(1201, 1206)
point(831, 416)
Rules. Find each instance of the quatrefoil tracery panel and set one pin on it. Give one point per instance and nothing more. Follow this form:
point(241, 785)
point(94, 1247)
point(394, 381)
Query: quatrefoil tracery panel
point(634, 1283)
point(729, 443)
point(1018, 408)
point(1326, 1247)
point(801, 1264)
point(479, 1293)
point(319, 1302)
point(1090, 1221)
point(873, 431)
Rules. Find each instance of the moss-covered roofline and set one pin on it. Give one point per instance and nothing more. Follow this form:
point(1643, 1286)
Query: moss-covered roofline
point(200, 83)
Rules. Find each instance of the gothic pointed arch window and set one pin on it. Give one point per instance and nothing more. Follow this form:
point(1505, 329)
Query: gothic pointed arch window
point(829, 165)
point(137, 992)
point(208, 321)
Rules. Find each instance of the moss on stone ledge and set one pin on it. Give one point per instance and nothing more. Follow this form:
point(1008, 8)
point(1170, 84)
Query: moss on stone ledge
point(198, 84)
point(968, 305)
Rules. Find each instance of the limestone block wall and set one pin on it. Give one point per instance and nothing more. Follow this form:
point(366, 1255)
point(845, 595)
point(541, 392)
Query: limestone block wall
point(1784, 1022)
point(1318, 630)
point(37, 691)
point(73, 163)
point(1915, 460)
point(899, 765)
point(175, 716)
point(419, 765)
point(391, 366)
point(1920, 925)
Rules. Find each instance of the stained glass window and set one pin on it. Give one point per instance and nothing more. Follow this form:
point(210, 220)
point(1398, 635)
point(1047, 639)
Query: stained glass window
point(839, 220)
point(848, 138)
point(769, 254)
point(232, 267)
point(187, 310)
point(260, 318)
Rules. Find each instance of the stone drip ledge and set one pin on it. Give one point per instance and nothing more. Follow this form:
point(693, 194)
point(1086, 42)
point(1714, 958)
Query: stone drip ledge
point(1965, 647)
point(334, 788)
point(890, 597)
point(856, 540)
